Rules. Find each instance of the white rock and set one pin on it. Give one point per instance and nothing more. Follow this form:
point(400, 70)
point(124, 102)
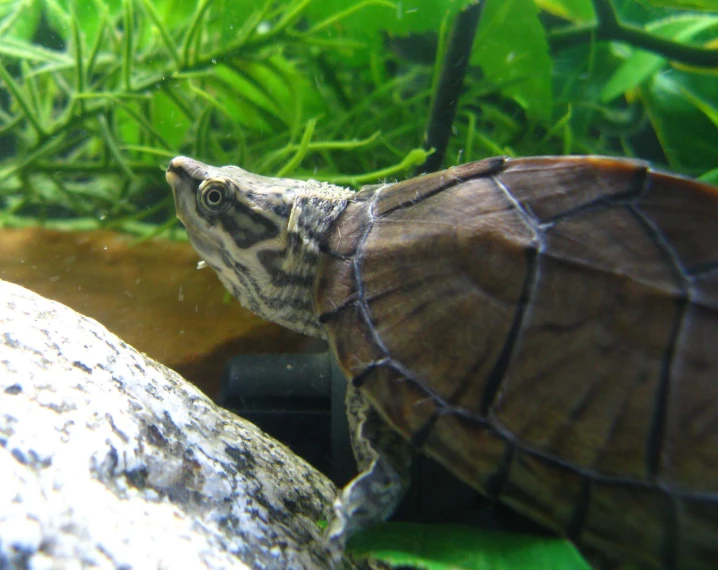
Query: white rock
point(108, 459)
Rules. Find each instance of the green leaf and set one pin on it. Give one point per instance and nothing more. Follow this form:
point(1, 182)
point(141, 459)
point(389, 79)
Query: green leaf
point(706, 106)
point(194, 28)
point(642, 64)
point(20, 49)
point(366, 21)
point(576, 11)
point(455, 547)
point(169, 119)
point(514, 51)
point(111, 146)
point(703, 5)
point(128, 44)
point(301, 150)
point(711, 177)
point(249, 89)
point(23, 101)
point(162, 29)
point(226, 17)
point(19, 18)
point(366, 18)
point(91, 18)
point(673, 116)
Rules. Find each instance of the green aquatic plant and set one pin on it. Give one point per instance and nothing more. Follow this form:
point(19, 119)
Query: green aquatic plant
point(95, 96)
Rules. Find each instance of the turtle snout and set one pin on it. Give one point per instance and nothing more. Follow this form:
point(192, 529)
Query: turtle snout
point(184, 185)
point(187, 168)
point(176, 171)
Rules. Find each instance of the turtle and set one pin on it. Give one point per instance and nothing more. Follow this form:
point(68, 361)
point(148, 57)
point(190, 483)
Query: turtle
point(544, 327)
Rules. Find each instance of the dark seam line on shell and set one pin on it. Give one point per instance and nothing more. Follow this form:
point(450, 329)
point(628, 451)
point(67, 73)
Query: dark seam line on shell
point(361, 302)
point(358, 380)
point(669, 555)
point(488, 173)
point(399, 368)
point(501, 366)
point(700, 268)
point(364, 313)
point(406, 376)
point(497, 481)
point(527, 216)
point(503, 362)
point(656, 433)
point(508, 437)
point(405, 288)
point(422, 434)
point(623, 198)
point(350, 301)
point(576, 523)
point(468, 380)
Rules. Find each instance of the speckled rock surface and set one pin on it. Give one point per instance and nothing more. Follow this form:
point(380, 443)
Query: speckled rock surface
point(110, 460)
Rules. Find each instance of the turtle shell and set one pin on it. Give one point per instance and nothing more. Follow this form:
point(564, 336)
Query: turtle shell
point(546, 329)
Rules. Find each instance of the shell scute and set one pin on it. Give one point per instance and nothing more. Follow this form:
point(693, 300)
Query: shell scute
point(346, 235)
point(415, 190)
point(410, 405)
point(575, 182)
point(647, 519)
point(591, 349)
point(685, 214)
point(545, 490)
point(477, 452)
point(691, 415)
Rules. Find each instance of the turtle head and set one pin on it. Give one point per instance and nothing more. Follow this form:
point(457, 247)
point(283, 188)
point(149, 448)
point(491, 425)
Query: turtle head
point(229, 210)
point(248, 229)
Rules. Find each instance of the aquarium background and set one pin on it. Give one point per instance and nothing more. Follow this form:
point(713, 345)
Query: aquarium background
point(96, 96)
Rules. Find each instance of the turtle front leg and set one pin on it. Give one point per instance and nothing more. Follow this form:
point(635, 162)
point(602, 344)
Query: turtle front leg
point(384, 462)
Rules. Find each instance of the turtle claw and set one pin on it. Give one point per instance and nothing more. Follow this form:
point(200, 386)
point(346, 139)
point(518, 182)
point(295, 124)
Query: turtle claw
point(371, 497)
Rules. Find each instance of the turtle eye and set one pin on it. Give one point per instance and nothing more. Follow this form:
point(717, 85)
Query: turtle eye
point(215, 198)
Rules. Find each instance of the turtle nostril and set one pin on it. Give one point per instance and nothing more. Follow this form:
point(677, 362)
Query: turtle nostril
point(175, 166)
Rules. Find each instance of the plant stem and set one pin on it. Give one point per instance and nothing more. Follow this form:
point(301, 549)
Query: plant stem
point(608, 27)
point(446, 98)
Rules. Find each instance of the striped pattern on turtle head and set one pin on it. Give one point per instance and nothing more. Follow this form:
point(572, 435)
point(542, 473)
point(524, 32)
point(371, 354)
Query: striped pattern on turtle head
point(259, 234)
